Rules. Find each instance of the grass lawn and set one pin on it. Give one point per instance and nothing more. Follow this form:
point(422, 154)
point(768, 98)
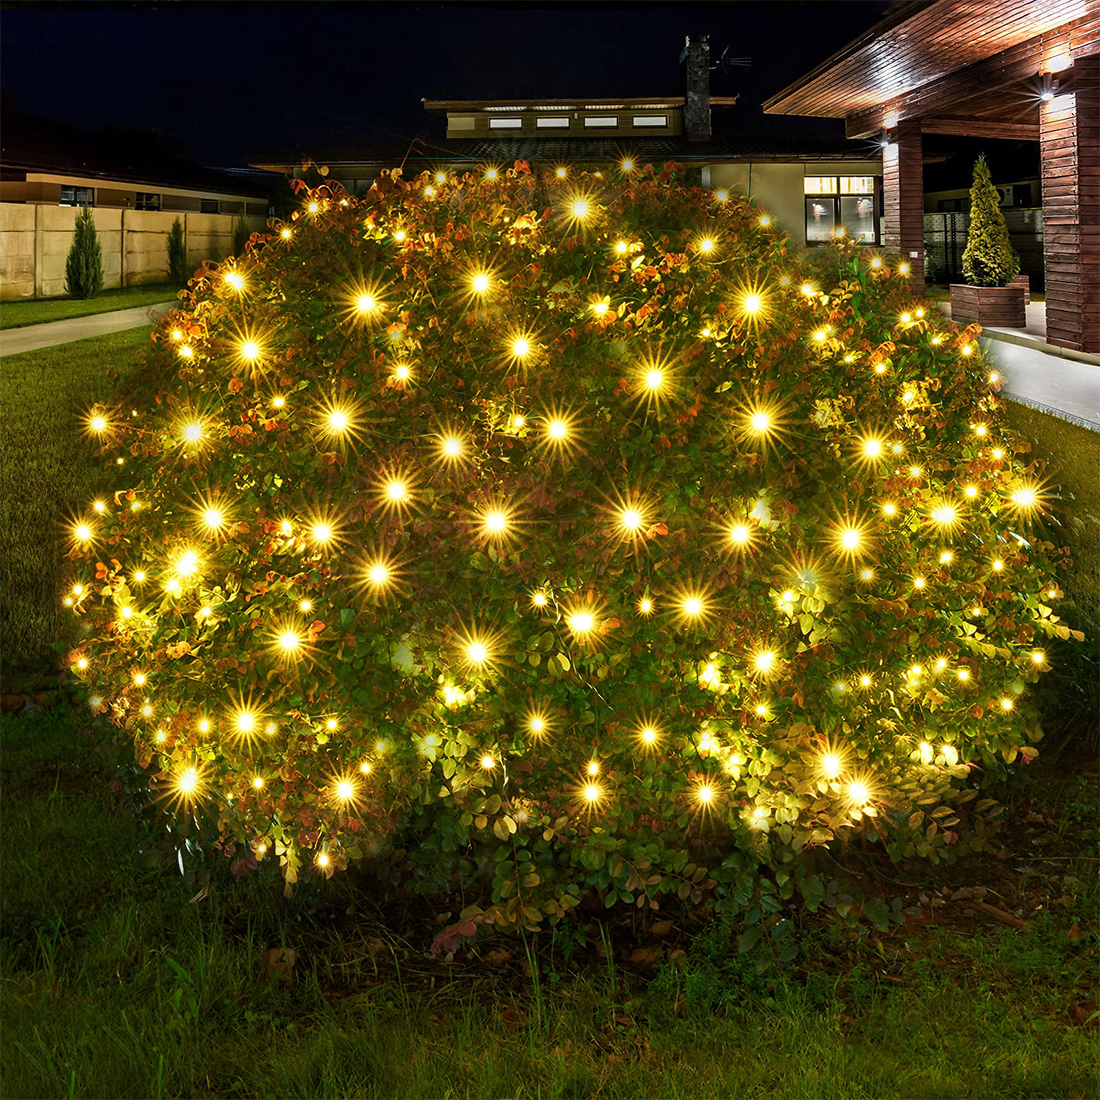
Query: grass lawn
point(47, 469)
point(116, 982)
point(20, 314)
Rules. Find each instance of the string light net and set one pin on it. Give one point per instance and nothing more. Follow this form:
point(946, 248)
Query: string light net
point(549, 532)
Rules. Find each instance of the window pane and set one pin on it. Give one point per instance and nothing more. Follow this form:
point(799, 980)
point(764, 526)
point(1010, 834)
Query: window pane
point(650, 120)
point(552, 123)
point(857, 185)
point(820, 185)
point(505, 124)
point(600, 120)
point(820, 220)
point(857, 215)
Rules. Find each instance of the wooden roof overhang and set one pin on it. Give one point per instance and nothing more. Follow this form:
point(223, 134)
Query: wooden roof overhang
point(967, 67)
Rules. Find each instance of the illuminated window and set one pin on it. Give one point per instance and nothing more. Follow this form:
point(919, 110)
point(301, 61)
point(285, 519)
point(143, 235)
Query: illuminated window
point(650, 120)
point(553, 122)
point(77, 196)
point(146, 200)
point(605, 121)
point(506, 124)
point(841, 204)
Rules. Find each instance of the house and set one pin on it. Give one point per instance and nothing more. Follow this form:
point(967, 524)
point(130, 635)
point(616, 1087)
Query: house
point(811, 187)
point(992, 69)
point(136, 191)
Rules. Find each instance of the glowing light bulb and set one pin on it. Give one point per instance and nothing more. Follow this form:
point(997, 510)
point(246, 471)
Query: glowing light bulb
point(919, 582)
point(481, 283)
point(649, 735)
point(706, 245)
point(705, 794)
point(521, 347)
point(290, 641)
point(765, 661)
point(188, 782)
point(323, 860)
point(257, 782)
point(858, 792)
point(591, 792)
point(1024, 498)
point(213, 519)
point(98, 424)
point(250, 350)
point(580, 209)
point(366, 303)
point(628, 165)
point(278, 402)
point(830, 765)
point(560, 173)
point(630, 520)
point(1038, 656)
point(397, 491)
point(645, 606)
point(1007, 704)
point(82, 663)
point(477, 653)
point(539, 599)
point(872, 448)
point(518, 421)
point(739, 534)
point(487, 762)
point(971, 491)
point(760, 422)
point(494, 523)
point(305, 605)
point(692, 606)
point(820, 335)
point(765, 220)
point(593, 767)
point(655, 379)
point(581, 622)
point(850, 538)
point(536, 725)
point(285, 234)
point(322, 532)
point(865, 681)
point(235, 280)
point(889, 509)
point(558, 429)
point(401, 372)
point(313, 207)
point(378, 575)
point(621, 247)
point(192, 432)
point(946, 558)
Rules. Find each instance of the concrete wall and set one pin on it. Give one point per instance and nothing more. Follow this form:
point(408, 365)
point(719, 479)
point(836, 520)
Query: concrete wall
point(35, 240)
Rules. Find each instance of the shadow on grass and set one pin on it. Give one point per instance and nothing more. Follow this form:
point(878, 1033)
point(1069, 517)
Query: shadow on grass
point(116, 983)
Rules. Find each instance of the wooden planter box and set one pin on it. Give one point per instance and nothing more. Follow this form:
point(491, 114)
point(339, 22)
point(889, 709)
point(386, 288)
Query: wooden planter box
point(988, 305)
point(1025, 282)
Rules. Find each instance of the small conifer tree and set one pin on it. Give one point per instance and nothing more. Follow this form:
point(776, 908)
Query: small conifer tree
point(84, 264)
point(241, 233)
point(989, 258)
point(178, 268)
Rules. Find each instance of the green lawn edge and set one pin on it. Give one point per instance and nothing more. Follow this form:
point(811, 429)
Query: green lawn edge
point(43, 310)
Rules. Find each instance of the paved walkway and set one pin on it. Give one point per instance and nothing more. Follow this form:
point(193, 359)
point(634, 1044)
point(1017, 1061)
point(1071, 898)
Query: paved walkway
point(1066, 385)
point(1038, 373)
point(32, 337)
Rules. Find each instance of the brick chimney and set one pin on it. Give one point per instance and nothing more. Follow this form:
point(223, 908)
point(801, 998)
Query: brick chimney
point(695, 64)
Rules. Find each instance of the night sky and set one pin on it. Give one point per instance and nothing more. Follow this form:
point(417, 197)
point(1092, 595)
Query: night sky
point(227, 81)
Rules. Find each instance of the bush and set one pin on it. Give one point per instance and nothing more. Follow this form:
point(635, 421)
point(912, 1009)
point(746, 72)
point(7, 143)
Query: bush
point(536, 538)
point(179, 270)
point(988, 259)
point(84, 263)
point(241, 233)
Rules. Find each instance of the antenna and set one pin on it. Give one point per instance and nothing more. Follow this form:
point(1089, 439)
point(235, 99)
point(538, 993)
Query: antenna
point(725, 62)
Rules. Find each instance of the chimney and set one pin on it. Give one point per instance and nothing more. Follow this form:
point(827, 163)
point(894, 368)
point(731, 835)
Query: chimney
point(695, 63)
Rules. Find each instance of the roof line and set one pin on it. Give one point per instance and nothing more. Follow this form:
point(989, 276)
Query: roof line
point(432, 105)
point(900, 15)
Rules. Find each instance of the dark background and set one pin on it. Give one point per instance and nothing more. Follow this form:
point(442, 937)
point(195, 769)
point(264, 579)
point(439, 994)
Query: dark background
point(221, 82)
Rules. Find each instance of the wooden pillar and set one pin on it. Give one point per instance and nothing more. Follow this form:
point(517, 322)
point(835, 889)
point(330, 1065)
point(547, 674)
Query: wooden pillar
point(903, 198)
point(1069, 149)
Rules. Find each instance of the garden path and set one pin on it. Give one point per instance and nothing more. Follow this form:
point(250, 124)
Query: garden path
point(32, 337)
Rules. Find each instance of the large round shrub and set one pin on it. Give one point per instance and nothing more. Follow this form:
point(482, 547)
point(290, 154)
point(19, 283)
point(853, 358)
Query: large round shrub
point(535, 535)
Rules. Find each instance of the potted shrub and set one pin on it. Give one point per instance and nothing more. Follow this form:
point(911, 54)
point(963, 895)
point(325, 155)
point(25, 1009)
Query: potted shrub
point(990, 296)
